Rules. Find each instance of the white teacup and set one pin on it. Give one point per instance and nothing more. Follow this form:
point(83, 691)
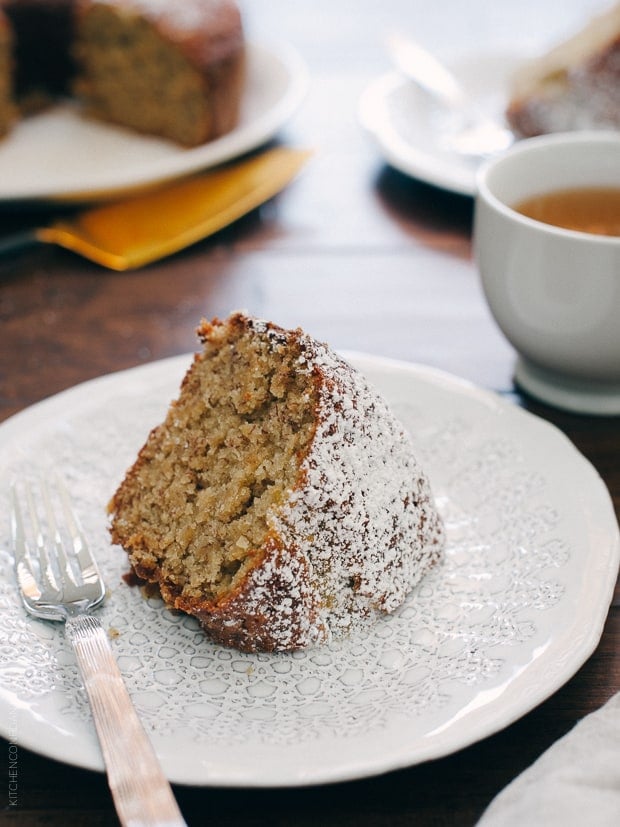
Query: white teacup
point(555, 293)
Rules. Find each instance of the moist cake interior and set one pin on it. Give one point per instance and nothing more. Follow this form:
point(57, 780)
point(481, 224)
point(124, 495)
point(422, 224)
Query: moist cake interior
point(123, 59)
point(228, 453)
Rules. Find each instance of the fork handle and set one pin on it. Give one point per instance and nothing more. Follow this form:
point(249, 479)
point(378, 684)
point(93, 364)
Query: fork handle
point(141, 792)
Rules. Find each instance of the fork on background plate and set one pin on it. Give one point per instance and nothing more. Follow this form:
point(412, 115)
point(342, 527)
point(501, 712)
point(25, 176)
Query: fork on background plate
point(59, 580)
point(474, 135)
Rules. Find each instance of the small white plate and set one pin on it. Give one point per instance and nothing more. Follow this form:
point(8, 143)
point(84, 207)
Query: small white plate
point(407, 126)
point(515, 608)
point(58, 155)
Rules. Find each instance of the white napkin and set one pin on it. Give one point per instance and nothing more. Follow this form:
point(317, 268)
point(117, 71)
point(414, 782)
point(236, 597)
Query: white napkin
point(575, 783)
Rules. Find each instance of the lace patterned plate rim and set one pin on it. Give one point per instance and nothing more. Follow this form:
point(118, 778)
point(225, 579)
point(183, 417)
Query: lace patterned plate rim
point(515, 609)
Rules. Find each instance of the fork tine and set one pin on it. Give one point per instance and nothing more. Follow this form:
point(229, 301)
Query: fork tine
point(62, 560)
point(87, 565)
point(26, 577)
point(48, 577)
point(56, 572)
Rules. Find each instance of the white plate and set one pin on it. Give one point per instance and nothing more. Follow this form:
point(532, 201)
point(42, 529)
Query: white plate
point(408, 127)
point(58, 155)
point(515, 609)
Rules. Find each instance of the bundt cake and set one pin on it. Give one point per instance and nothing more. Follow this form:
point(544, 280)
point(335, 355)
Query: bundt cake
point(279, 502)
point(574, 86)
point(174, 70)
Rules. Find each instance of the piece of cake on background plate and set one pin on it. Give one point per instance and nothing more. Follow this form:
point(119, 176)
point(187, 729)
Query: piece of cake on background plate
point(576, 85)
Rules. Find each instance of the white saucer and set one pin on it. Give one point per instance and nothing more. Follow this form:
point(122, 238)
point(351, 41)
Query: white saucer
point(407, 126)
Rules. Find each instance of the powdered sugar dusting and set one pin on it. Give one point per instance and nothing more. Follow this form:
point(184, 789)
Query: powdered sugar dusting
point(587, 103)
point(280, 592)
point(363, 520)
point(187, 15)
point(583, 96)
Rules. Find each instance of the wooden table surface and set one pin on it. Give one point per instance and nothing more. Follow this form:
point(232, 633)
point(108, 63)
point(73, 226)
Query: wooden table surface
point(365, 258)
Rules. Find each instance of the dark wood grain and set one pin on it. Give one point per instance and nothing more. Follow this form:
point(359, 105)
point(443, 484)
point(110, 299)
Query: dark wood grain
point(365, 258)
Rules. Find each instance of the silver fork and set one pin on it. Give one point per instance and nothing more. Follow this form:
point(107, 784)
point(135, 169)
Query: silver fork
point(59, 580)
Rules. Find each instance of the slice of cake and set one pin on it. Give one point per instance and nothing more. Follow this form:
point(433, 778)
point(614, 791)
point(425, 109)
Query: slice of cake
point(280, 501)
point(575, 86)
point(175, 70)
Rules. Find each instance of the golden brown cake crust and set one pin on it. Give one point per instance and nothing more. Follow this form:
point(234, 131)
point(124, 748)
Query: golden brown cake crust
point(276, 574)
point(346, 535)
